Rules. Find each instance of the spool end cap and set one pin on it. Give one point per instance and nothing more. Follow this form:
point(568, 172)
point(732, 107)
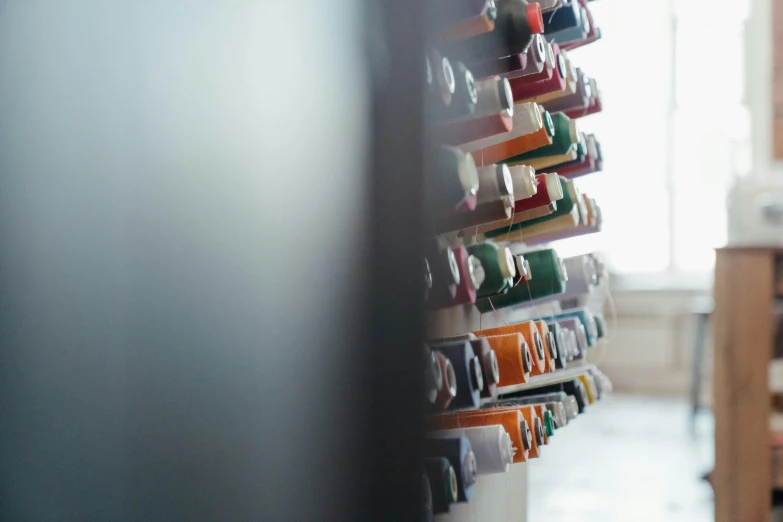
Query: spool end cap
point(534, 19)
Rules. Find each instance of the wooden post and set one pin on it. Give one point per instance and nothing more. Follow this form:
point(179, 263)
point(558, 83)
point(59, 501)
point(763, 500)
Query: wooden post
point(744, 293)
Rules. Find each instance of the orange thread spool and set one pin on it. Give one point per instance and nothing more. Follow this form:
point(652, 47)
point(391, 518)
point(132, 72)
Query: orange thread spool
point(537, 426)
point(509, 418)
point(530, 332)
point(543, 330)
point(468, 28)
point(513, 147)
point(510, 350)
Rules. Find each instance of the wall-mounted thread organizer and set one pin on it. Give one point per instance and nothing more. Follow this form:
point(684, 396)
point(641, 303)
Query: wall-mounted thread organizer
point(507, 363)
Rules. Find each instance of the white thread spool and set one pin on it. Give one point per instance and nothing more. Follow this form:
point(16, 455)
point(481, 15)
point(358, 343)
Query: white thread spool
point(582, 276)
point(527, 120)
point(494, 96)
point(494, 182)
point(524, 179)
point(491, 446)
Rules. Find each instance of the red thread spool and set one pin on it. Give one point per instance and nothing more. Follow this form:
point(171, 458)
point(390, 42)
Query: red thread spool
point(459, 132)
point(497, 210)
point(545, 73)
point(466, 290)
point(523, 90)
point(541, 198)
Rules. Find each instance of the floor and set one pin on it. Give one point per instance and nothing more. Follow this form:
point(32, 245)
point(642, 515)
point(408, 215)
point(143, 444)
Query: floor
point(628, 458)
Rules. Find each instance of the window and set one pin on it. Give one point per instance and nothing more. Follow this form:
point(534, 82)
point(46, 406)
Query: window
point(674, 130)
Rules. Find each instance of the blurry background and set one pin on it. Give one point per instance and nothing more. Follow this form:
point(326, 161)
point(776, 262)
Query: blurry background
point(687, 116)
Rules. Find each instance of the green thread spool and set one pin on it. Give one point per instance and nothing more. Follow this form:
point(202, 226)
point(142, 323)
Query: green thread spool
point(549, 423)
point(498, 266)
point(549, 124)
point(566, 135)
point(564, 206)
point(547, 279)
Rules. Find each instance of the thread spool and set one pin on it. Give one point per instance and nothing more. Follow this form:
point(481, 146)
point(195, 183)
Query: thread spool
point(527, 119)
point(574, 325)
point(565, 205)
point(453, 179)
point(491, 444)
point(502, 152)
point(494, 183)
point(582, 278)
point(524, 272)
point(460, 337)
point(525, 182)
point(444, 270)
point(465, 96)
point(559, 336)
point(471, 277)
point(448, 389)
point(592, 36)
point(489, 367)
point(433, 375)
point(566, 17)
point(498, 266)
point(470, 27)
point(549, 190)
point(577, 390)
point(514, 28)
point(573, 34)
point(443, 483)
point(546, 417)
point(549, 278)
point(497, 210)
point(533, 87)
point(513, 356)
point(427, 513)
point(553, 64)
point(460, 454)
point(511, 419)
point(544, 227)
point(573, 388)
point(600, 326)
point(537, 237)
point(458, 132)
point(468, 373)
point(444, 82)
point(536, 55)
point(602, 382)
point(554, 402)
point(582, 275)
point(550, 349)
point(537, 427)
point(506, 66)
point(564, 138)
point(529, 331)
point(589, 386)
point(494, 96)
point(558, 411)
point(571, 407)
point(587, 319)
point(580, 100)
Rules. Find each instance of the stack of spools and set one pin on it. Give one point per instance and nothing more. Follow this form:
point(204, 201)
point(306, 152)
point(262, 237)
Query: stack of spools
point(504, 98)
